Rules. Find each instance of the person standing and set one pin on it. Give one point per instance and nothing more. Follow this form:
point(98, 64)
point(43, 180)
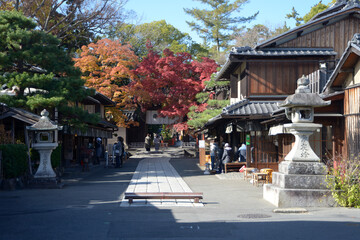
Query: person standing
point(226, 157)
point(147, 142)
point(220, 154)
point(118, 150)
point(157, 142)
point(213, 152)
point(242, 153)
point(98, 150)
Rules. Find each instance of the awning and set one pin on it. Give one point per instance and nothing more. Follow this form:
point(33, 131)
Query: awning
point(19, 114)
point(245, 110)
point(279, 129)
point(89, 132)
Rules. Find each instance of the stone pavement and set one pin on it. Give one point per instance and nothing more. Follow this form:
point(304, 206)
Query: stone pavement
point(89, 207)
point(157, 175)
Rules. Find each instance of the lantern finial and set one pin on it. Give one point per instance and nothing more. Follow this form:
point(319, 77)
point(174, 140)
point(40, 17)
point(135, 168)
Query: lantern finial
point(303, 85)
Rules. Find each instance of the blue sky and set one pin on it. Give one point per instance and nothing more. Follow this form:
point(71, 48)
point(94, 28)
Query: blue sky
point(271, 12)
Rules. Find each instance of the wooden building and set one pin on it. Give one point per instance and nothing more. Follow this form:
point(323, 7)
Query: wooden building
point(345, 84)
point(74, 140)
point(14, 121)
point(267, 73)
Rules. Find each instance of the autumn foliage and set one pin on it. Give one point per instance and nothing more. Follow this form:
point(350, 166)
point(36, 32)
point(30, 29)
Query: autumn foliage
point(170, 82)
point(107, 66)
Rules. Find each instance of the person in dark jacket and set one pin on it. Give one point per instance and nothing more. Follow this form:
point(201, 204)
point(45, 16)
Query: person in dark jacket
point(147, 142)
point(98, 150)
point(226, 157)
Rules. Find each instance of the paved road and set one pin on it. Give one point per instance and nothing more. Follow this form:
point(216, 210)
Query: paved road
point(154, 175)
point(89, 208)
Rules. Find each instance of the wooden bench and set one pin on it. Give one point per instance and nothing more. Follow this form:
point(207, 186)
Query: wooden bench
point(164, 195)
point(234, 165)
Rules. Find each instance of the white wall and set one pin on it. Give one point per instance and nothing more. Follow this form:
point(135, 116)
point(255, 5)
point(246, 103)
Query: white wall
point(239, 96)
point(121, 132)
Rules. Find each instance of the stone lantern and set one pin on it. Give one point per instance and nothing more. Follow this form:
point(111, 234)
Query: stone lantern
point(300, 181)
point(299, 108)
point(44, 140)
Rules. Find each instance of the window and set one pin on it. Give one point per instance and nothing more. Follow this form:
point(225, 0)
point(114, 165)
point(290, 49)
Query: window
point(90, 108)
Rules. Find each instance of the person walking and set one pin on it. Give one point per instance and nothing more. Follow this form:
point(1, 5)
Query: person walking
point(118, 150)
point(147, 142)
point(226, 157)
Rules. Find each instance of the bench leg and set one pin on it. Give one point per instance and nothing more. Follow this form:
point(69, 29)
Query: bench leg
point(130, 200)
point(196, 200)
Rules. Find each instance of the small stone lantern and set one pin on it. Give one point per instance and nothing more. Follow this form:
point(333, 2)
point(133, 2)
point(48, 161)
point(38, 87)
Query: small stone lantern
point(44, 140)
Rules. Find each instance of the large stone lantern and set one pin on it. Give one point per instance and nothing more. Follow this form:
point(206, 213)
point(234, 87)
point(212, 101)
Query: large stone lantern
point(299, 108)
point(44, 140)
point(300, 181)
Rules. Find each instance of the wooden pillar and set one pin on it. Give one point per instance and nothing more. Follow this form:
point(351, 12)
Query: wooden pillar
point(202, 157)
point(248, 149)
point(27, 143)
point(1, 170)
point(13, 130)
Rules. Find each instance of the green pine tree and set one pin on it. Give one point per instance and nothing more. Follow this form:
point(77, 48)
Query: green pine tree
point(197, 116)
point(218, 24)
point(317, 8)
point(42, 73)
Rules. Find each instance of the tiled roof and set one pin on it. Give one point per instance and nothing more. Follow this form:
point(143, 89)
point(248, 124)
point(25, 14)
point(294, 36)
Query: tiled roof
point(247, 107)
point(353, 45)
point(272, 52)
point(338, 6)
point(18, 113)
point(107, 124)
point(331, 15)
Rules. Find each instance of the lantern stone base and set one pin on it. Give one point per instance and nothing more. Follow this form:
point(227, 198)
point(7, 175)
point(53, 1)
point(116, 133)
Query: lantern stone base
point(299, 184)
point(282, 197)
point(46, 183)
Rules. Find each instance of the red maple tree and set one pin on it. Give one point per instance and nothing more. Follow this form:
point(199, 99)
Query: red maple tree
point(170, 82)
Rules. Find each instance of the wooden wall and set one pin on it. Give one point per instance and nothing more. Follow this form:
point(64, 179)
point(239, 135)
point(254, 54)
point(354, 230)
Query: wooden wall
point(335, 35)
point(277, 78)
point(352, 121)
point(264, 153)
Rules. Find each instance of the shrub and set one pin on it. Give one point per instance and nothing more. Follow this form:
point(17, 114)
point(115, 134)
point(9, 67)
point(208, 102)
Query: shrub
point(15, 160)
point(344, 181)
point(166, 133)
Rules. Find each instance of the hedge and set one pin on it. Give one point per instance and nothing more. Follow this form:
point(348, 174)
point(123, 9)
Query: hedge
point(14, 160)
